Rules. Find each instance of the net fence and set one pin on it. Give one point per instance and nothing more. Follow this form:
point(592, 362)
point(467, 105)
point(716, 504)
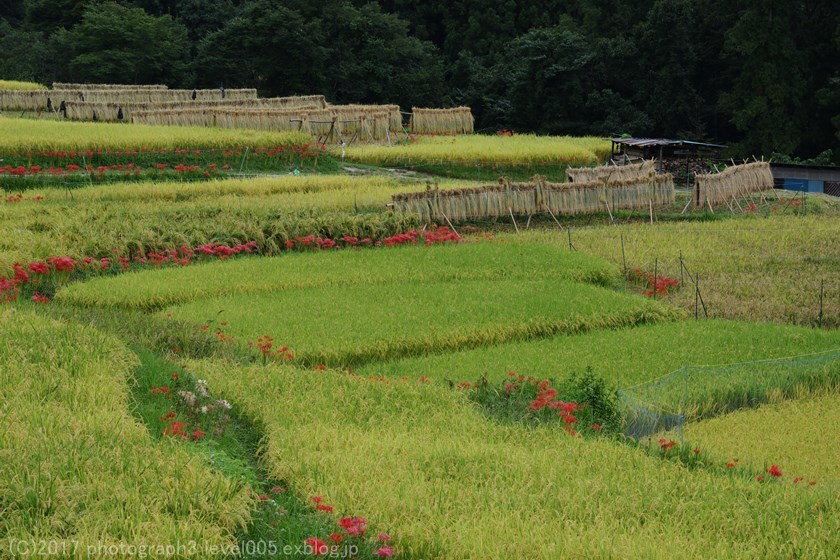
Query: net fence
point(696, 392)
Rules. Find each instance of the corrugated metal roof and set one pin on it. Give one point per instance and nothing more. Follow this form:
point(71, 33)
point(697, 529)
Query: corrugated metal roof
point(647, 142)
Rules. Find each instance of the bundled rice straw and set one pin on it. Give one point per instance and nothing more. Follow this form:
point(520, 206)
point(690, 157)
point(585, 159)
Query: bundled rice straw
point(394, 115)
point(89, 87)
point(611, 172)
point(536, 197)
point(330, 124)
point(37, 100)
point(442, 121)
point(110, 111)
point(717, 189)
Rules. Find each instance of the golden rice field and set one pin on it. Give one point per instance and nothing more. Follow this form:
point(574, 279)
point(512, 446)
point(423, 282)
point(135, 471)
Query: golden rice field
point(799, 435)
point(420, 462)
point(20, 86)
point(20, 136)
point(519, 149)
point(77, 466)
point(767, 269)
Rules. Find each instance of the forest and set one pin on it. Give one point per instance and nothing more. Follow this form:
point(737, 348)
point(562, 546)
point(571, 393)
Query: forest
point(762, 76)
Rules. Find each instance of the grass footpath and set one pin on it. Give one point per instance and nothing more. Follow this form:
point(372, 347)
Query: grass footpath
point(77, 468)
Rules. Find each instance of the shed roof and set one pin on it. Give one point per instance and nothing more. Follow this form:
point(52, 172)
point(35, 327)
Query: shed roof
point(647, 142)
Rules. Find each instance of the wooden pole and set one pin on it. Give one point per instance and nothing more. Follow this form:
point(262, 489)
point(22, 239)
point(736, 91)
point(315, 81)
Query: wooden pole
point(513, 219)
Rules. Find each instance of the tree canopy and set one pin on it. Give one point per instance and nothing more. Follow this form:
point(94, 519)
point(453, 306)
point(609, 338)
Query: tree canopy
point(760, 75)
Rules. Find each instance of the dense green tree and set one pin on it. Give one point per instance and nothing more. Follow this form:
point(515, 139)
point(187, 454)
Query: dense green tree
point(768, 86)
point(24, 53)
point(668, 68)
point(118, 44)
point(761, 76)
point(270, 47)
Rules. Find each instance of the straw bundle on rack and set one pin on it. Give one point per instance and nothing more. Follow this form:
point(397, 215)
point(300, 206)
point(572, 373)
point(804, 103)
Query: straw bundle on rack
point(611, 172)
point(110, 111)
point(259, 119)
point(22, 100)
point(394, 115)
point(90, 87)
point(328, 125)
point(717, 189)
point(536, 197)
point(442, 121)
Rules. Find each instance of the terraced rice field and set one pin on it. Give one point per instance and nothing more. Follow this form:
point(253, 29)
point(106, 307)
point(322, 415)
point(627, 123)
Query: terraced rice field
point(282, 360)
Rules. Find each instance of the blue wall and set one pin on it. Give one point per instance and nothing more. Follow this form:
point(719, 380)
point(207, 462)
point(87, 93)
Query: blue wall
point(804, 185)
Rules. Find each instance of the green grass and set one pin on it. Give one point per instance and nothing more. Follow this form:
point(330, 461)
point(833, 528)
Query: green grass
point(356, 324)
point(624, 357)
point(77, 466)
point(430, 469)
point(479, 260)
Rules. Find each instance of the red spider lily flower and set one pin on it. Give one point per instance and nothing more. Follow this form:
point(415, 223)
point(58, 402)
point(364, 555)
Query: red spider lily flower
point(21, 276)
point(798, 479)
point(597, 426)
point(324, 507)
point(384, 537)
point(336, 538)
point(278, 489)
point(355, 526)
point(38, 298)
point(197, 435)
point(774, 470)
point(812, 483)
point(39, 268)
point(666, 444)
point(318, 546)
point(385, 552)
point(317, 499)
point(174, 376)
point(263, 497)
point(696, 451)
point(760, 478)
point(175, 429)
point(730, 465)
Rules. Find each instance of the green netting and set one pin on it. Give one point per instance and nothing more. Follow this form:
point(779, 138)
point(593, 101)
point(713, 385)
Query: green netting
point(695, 392)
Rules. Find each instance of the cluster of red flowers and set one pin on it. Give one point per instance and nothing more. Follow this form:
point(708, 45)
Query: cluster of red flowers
point(651, 285)
point(781, 204)
point(352, 528)
point(35, 271)
point(411, 237)
point(546, 396)
point(265, 344)
point(666, 444)
point(439, 235)
point(505, 132)
point(12, 198)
